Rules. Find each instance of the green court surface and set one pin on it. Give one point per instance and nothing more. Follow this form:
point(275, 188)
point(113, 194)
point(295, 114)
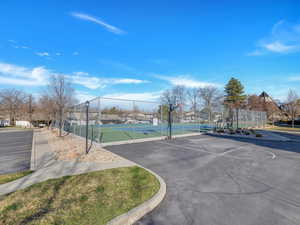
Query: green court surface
point(124, 132)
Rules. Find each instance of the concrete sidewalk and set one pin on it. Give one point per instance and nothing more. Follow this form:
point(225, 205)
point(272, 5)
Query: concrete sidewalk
point(46, 166)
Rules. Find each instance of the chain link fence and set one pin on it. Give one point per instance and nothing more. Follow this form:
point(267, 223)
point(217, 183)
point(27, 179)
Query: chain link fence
point(106, 120)
point(241, 118)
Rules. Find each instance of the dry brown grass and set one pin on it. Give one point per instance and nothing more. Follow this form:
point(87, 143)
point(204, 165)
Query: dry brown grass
point(70, 148)
point(291, 129)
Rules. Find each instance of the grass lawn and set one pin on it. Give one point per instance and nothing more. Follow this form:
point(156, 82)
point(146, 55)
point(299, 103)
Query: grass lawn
point(89, 199)
point(5, 178)
point(285, 129)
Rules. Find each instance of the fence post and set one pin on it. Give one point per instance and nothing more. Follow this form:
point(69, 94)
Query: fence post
point(99, 118)
point(161, 120)
point(170, 120)
point(87, 103)
point(237, 118)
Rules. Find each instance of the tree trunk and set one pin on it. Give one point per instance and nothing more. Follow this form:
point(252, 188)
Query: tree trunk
point(60, 121)
point(237, 118)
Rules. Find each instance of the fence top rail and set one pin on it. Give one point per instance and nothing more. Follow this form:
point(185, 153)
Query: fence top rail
point(116, 99)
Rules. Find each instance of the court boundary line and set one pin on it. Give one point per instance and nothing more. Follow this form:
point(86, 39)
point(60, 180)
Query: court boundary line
point(224, 154)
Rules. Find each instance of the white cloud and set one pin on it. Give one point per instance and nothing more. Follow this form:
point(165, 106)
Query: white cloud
point(145, 96)
point(294, 78)
point(127, 81)
point(75, 53)
point(91, 82)
point(107, 26)
point(16, 75)
point(83, 96)
point(118, 65)
point(87, 81)
point(42, 54)
point(58, 54)
point(255, 53)
point(279, 47)
point(37, 76)
point(284, 38)
point(186, 81)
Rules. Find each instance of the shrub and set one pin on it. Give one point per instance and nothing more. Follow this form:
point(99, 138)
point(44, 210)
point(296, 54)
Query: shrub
point(252, 131)
point(220, 131)
point(231, 131)
point(246, 132)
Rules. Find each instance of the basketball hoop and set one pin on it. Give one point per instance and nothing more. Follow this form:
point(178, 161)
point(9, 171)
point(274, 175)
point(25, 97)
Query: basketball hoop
point(175, 106)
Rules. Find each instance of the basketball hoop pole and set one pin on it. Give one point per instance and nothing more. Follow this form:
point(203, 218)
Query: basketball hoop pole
point(170, 119)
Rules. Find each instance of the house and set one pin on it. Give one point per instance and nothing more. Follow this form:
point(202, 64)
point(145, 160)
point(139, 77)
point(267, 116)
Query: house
point(4, 123)
point(274, 111)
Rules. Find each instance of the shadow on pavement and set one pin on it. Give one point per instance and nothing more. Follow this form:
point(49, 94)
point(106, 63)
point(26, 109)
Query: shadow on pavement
point(292, 146)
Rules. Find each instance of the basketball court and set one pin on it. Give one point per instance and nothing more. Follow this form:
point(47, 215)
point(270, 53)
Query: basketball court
point(229, 181)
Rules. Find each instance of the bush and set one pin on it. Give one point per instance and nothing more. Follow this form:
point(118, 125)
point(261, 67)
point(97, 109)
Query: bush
point(258, 135)
point(220, 131)
point(246, 132)
point(252, 131)
point(231, 131)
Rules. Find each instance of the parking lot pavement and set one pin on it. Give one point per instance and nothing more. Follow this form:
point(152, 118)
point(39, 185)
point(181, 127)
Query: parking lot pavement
point(15, 150)
point(222, 181)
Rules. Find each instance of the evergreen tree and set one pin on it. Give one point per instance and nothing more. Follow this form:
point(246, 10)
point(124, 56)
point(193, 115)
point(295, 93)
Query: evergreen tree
point(234, 96)
point(234, 92)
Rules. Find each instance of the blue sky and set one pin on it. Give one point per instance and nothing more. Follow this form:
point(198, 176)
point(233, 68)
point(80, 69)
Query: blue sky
point(137, 49)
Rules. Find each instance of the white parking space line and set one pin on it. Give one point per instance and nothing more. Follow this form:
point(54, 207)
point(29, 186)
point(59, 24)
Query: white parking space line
point(19, 146)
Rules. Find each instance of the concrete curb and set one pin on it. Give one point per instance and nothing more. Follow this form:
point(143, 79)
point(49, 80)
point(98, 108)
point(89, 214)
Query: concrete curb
point(138, 212)
point(33, 153)
point(134, 214)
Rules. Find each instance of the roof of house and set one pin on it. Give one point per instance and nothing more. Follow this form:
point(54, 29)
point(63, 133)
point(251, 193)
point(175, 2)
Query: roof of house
point(264, 95)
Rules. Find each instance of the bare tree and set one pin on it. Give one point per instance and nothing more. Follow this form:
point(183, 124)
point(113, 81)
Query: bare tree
point(254, 102)
point(211, 98)
point(46, 107)
point(167, 97)
point(291, 105)
point(176, 95)
point(179, 92)
point(193, 95)
point(12, 101)
point(62, 95)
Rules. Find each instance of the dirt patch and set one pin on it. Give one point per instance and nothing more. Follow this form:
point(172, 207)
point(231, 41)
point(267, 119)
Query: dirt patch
point(69, 148)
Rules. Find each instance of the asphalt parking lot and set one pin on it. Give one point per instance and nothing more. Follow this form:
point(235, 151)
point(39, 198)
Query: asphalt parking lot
point(15, 150)
point(222, 181)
